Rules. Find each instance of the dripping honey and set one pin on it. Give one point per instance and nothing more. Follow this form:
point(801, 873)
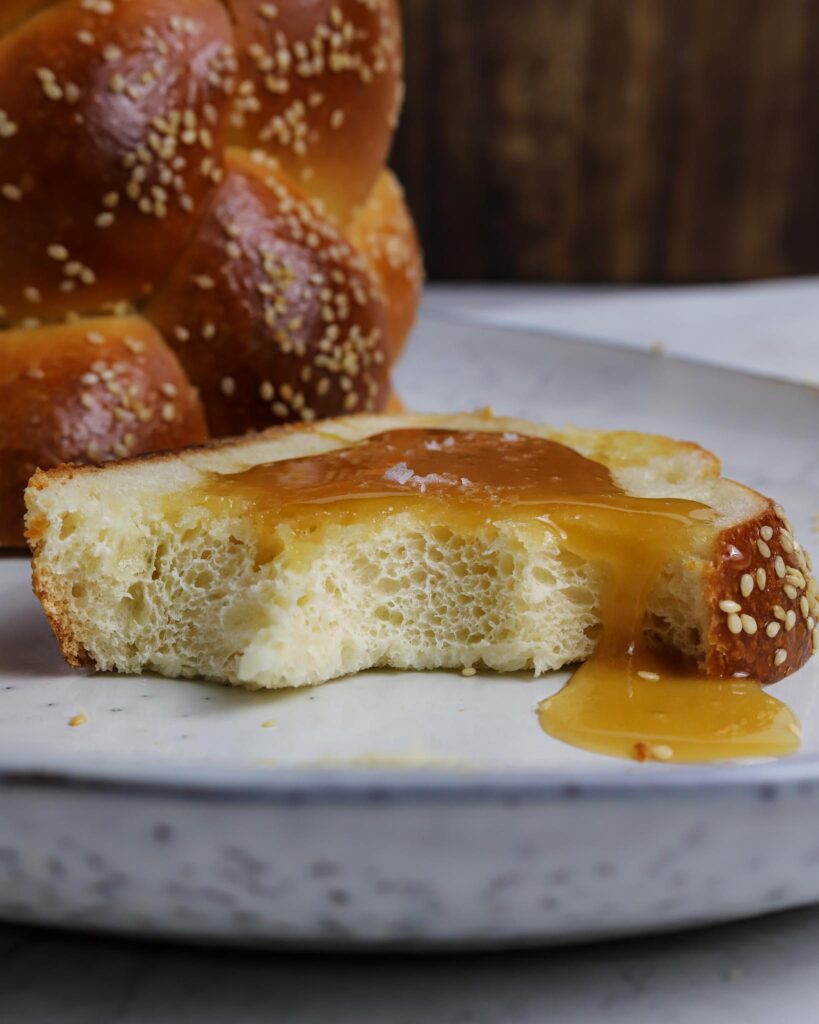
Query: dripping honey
point(627, 699)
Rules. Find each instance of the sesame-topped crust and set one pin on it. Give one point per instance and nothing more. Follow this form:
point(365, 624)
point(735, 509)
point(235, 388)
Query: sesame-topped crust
point(107, 152)
point(320, 90)
point(284, 272)
point(383, 231)
point(91, 391)
point(764, 601)
point(271, 311)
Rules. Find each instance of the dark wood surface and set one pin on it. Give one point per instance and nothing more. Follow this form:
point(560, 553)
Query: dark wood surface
point(613, 140)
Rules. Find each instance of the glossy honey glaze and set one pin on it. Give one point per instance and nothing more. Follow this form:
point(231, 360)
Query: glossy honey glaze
point(627, 699)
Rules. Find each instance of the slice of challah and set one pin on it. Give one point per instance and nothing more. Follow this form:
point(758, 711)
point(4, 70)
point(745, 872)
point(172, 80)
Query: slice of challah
point(139, 572)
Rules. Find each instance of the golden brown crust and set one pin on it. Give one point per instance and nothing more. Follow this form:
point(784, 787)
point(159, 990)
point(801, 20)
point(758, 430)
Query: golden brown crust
point(114, 118)
point(107, 152)
point(48, 590)
point(14, 12)
point(320, 91)
point(383, 231)
point(763, 601)
point(271, 311)
point(395, 403)
point(90, 391)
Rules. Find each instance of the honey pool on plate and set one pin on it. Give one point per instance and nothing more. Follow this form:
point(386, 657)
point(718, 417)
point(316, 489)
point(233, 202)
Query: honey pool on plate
point(654, 712)
point(627, 700)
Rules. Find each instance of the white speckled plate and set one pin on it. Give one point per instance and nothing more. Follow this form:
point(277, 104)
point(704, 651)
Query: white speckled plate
point(401, 809)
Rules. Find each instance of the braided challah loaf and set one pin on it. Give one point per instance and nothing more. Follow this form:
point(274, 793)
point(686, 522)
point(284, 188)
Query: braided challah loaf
point(197, 233)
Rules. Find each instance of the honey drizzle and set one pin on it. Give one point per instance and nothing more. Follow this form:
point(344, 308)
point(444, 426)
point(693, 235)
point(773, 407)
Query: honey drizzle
point(627, 699)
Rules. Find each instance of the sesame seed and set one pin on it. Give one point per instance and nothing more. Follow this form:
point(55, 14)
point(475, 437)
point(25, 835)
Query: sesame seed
point(734, 624)
point(266, 391)
point(87, 400)
point(57, 252)
point(815, 640)
point(168, 411)
point(795, 578)
point(12, 192)
point(804, 607)
point(763, 548)
point(761, 578)
point(790, 591)
point(95, 338)
point(729, 607)
point(780, 657)
point(748, 624)
point(648, 675)
point(772, 629)
point(766, 533)
point(746, 584)
point(120, 450)
point(169, 390)
point(779, 566)
point(228, 386)
point(790, 620)
point(104, 220)
point(469, 670)
point(204, 281)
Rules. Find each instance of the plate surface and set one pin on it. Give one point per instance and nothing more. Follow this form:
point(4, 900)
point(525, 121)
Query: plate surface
point(406, 809)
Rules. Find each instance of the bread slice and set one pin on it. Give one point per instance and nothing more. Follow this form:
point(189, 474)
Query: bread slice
point(137, 573)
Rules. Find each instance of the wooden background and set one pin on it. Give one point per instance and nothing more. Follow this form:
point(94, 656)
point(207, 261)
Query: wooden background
point(613, 140)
